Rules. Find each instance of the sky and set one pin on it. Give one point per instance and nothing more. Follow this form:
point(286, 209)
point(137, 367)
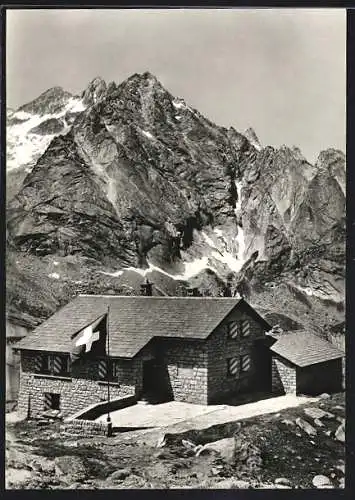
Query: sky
point(280, 71)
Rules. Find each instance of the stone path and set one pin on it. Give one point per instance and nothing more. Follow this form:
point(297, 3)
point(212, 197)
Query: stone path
point(180, 417)
point(158, 415)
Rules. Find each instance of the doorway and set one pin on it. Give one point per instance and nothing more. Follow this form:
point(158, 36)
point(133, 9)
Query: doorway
point(156, 382)
point(263, 364)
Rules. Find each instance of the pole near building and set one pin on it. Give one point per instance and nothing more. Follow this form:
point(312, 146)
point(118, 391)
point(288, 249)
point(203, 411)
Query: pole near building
point(109, 423)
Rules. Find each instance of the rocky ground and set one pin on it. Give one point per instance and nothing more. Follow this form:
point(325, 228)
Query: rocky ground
point(297, 448)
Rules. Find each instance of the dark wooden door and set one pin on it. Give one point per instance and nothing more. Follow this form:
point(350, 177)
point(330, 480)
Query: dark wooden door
point(263, 367)
point(156, 383)
point(150, 373)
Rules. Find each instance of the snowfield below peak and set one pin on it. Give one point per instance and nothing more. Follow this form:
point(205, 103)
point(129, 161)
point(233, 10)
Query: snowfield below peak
point(192, 269)
point(25, 147)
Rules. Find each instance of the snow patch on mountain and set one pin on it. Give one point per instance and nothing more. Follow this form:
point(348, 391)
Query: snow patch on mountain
point(323, 292)
point(75, 105)
point(224, 256)
point(147, 134)
point(192, 269)
point(55, 276)
point(241, 245)
point(24, 147)
point(240, 233)
point(179, 104)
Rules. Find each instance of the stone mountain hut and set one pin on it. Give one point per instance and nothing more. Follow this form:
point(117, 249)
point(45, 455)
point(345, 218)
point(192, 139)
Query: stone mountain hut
point(192, 349)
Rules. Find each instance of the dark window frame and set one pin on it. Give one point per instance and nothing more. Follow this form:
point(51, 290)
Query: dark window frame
point(55, 400)
point(47, 366)
point(110, 370)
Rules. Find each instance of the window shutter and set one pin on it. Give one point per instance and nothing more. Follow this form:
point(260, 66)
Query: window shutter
point(233, 329)
point(47, 401)
point(57, 365)
point(245, 363)
point(102, 369)
point(38, 363)
point(233, 366)
point(245, 327)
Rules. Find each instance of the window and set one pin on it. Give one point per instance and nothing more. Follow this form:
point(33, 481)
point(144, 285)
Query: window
point(52, 364)
point(233, 329)
point(233, 367)
point(245, 363)
point(51, 401)
point(244, 328)
point(241, 328)
point(102, 369)
point(113, 369)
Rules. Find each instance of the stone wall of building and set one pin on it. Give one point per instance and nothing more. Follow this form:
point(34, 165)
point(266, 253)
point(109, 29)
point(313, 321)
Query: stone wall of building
point(186, 369)
point(77, 391)
point(284, 378)
point(192, 371)
point(321, 377)
point(221, 348)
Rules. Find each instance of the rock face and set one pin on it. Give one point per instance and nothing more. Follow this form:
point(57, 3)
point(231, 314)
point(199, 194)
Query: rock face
point(52, 126)
point(138, 179)
point(94, 92)
point(340, 433)
point(253, 138)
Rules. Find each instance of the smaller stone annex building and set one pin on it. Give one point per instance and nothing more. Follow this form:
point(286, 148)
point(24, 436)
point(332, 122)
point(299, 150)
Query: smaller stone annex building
point(303, 363)
point(192, 349)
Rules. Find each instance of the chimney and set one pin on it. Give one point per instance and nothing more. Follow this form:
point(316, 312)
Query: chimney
point(227, 292)
point(146, 288)
point(192, 292)
point(180, 291)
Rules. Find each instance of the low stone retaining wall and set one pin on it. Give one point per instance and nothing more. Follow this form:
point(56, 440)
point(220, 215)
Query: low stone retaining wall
point(96, 410)
point(83, 422)
point(85, 427)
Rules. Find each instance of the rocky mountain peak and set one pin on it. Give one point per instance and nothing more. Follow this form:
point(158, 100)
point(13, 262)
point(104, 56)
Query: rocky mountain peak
point(253, 138)
point(332, 162)
point(139, 182)
point(49, 102)
point(143, 83)
point(94, 92)
point(330, 155)
point(146, 75)
point(143, 78)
